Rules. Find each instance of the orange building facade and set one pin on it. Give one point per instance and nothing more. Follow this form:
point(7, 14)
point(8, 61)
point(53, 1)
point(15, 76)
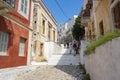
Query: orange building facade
point(14, 33)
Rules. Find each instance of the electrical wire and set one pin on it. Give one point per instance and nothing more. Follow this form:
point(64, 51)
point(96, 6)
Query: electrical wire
point(61, 9)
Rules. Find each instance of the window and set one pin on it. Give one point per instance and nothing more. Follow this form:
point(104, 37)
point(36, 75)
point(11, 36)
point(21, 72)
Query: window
point(24, 7)
point(21, 47)
point(90, 34)
point(49, 30)
point(53, 35)
point(116, 11)
point(3, 43)
point(43, 25)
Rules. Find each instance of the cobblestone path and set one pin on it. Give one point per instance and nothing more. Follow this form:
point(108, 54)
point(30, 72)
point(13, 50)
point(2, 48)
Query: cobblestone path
point(62, 66)
point(47, 72)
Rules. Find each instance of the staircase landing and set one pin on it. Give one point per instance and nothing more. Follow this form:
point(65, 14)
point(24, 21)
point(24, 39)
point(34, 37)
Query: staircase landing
point(63, 58)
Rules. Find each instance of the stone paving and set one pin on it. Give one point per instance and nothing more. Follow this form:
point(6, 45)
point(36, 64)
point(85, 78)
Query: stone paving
point(63, 66)
point(12, 73)
point(60, 72)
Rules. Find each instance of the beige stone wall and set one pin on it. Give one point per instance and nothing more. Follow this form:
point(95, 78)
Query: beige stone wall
point(104, 64)
point(90, 30)
point(102, 14)
point(47, 18)
point(41, 37)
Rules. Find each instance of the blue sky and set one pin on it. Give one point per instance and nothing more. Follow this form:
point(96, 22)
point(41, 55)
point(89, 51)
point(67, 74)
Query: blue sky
point(70, 8)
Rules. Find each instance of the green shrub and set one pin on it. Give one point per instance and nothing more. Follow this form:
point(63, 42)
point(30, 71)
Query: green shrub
point(86, 77)
point(82, 69)
point(102, 40)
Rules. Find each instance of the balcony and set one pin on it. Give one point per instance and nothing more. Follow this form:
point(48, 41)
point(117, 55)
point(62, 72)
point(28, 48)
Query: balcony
point(85, 17)
point(85, 20)
point(86, 13)
point(6, 6)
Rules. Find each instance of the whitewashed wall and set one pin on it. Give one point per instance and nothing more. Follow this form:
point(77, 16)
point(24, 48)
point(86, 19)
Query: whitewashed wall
point(82, 51)
point(104, 64)
point(51, 48)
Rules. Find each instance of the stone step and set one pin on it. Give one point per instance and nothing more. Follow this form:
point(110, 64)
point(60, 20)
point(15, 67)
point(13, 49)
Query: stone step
point(64, 51)
point(62, 57)
point(64, 60)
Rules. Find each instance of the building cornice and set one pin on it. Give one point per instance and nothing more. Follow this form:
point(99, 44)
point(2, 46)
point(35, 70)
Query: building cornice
point(18, 22)
point(46, 10)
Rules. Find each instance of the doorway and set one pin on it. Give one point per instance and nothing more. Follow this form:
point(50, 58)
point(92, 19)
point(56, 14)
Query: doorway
point(101, 27)
point(41, 49)
point(116, 12)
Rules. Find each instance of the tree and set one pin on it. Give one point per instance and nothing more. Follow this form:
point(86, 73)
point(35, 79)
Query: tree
point(78, 30)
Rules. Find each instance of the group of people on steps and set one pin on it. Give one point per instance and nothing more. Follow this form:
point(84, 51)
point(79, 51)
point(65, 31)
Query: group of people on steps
point(73, 47)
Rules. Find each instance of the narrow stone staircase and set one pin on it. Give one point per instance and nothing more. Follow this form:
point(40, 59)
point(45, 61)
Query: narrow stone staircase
point(64, 58)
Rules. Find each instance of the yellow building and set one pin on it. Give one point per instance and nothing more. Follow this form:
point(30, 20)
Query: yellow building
point(87, 19)
point(114, 12)
point(100, 17)
point(44, 29)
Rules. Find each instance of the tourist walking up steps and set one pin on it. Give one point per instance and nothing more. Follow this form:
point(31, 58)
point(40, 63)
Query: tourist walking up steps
point(75, 49)
point(70, 47)
point(67, 45)
point(64, 45)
